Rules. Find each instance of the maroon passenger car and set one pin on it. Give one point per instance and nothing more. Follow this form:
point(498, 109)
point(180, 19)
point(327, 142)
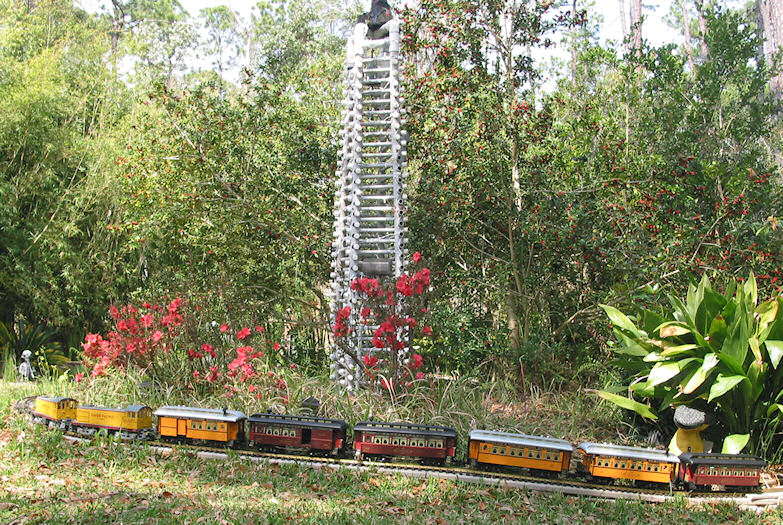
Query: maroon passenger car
point(728, 470)
point(404, 439)
point(290, 431)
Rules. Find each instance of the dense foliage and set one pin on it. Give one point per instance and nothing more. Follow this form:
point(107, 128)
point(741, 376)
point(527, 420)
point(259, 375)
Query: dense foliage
point(635, 172)
point(715, 351)
point(127, 176)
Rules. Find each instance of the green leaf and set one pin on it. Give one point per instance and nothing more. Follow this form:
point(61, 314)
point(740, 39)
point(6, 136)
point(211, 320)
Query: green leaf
point(775, 352)
point(773, 408)
point(679, 350)
point(734, 443)
point(700, 375)
point(750, 290)
point(662, 372)
point(767, 311)
point(620, 320)
point(723, 384)
point(624, 402)
point(632, 349)
point(753, 342)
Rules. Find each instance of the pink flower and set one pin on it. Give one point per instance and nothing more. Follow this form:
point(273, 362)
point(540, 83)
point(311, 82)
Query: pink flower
point(114, 312)
point(416, 361)
point(157, 336)
point(196, 374)
point(281, 384)
point(213, 373)
point(365, 312)
point(416, 257)
point(224, 328)
point(292, 366)
point(427, 331)
point(387, 384)
point(276, 346)
point(251, 388)
point(79, 377)
point(243, 333)
point(259, 329)
point(146, 320)
point(419, 375)
point(207, 349)
point(370, 360)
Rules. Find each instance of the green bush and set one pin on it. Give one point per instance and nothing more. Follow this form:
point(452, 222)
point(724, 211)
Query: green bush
point(719, 351)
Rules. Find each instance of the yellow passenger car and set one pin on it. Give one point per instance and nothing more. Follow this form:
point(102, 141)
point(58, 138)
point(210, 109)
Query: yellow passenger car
point(201, 424)
point(54, 411)
point(604, 461)
point(131, 422)
point(519, 450)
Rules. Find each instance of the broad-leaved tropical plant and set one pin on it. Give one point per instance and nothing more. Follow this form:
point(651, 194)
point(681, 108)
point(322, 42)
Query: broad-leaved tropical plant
point(719, 349)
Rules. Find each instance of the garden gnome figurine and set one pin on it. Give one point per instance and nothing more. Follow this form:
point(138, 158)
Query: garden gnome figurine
point(689, 423)
point(26, 371)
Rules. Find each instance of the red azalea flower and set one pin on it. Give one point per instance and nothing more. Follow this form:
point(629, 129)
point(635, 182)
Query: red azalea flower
point(79, 377)
point(157, 336)
point(243, 333)
point(224, 328)
point(370, 360)
point(419, 375)
point(426, 331)
point(416, 257)
point(259, 329)
point(276, 346)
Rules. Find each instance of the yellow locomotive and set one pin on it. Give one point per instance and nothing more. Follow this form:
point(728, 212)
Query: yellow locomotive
point(131, 422)
point(55, 412)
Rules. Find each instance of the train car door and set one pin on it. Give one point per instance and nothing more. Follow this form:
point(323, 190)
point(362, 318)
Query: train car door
point(181, 427)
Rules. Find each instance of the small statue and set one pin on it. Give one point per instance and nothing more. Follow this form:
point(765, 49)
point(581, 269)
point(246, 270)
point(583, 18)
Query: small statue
point(690, 422)
point(26, 370)
point(380, 13)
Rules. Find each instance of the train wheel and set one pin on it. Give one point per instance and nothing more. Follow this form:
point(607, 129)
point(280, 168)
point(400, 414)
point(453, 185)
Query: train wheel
point(448, 461)
point(358, 455)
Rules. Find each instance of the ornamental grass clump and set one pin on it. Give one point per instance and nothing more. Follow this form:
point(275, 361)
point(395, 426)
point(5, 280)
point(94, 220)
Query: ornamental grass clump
point(719, 351)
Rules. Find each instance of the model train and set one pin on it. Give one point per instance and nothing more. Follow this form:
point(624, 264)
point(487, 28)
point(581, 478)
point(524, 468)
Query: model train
point(542, 456)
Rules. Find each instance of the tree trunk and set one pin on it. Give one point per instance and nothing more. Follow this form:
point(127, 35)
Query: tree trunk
point(770, 13)
point(574, 38)
point(702, 30)
point(686, 24)
point(636, 26)
point(623, 22)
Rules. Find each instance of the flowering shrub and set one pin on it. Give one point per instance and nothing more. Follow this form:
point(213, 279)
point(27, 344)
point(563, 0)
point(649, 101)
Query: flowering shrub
point(139, 333)
point(396, 311)
point(164, 341)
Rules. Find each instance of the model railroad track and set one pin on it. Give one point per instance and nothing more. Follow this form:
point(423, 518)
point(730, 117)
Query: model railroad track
point(458, 472)
point(461, 473)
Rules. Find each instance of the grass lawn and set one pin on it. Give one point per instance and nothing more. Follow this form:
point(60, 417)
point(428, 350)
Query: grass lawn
point(45, 479)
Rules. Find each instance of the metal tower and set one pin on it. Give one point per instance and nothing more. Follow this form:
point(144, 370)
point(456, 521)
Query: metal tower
point(369, 228)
